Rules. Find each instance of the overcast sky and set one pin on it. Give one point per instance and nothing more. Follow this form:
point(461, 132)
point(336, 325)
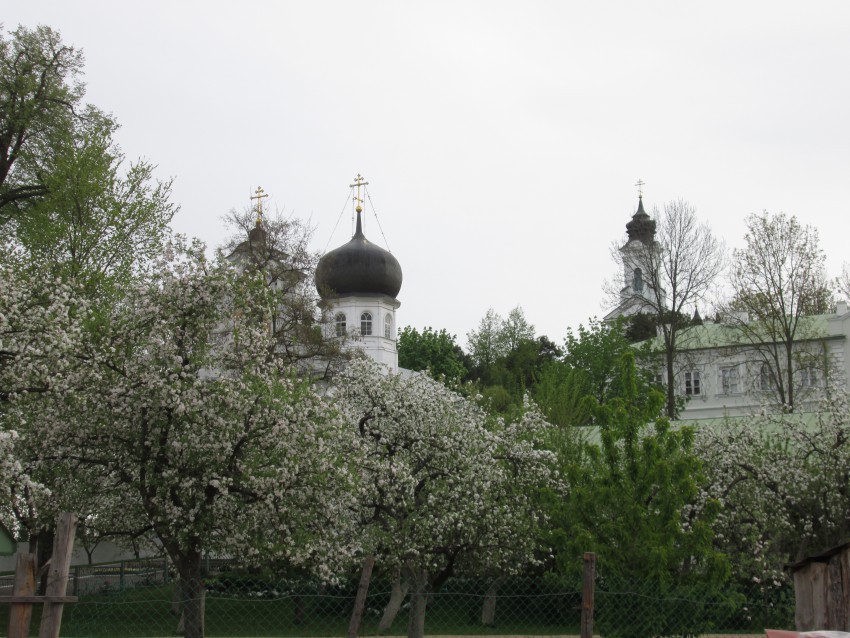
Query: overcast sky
point(501, 140)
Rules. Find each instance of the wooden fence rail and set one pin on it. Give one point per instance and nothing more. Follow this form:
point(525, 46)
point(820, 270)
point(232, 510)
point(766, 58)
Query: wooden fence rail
point(23, 594)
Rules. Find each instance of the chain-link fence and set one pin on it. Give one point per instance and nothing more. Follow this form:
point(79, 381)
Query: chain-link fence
point(140, 598)
point(640, 609)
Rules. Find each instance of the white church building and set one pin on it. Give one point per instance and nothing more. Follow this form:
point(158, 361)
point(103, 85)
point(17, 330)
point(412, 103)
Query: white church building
point(359, 284)
point(718, 371)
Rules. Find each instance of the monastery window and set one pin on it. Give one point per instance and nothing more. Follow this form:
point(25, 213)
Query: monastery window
point(729, 380)
point(765, 382)
point(388, 326)
point(339, 324)
point(693, 385)
point(808, 377)
point(637, 282)
point(366, 324)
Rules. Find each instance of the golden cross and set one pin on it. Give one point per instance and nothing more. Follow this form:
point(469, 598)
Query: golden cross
point(358, 182)
point(640, 184)
point(259, 197)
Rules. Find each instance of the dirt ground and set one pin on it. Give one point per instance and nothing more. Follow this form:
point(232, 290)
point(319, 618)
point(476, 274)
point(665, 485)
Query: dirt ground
point(762, 635)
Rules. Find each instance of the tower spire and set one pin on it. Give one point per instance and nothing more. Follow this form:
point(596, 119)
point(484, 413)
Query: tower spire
point(359, 182)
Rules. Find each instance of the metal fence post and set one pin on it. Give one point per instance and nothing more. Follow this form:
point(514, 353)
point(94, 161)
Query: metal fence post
point(121, 577)
point(76, 588)
point(588, 583)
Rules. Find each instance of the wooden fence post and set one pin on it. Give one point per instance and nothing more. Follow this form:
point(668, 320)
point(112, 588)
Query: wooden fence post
point(20, 614)
point(57, 579)
point(588, 584)
point(360, 599)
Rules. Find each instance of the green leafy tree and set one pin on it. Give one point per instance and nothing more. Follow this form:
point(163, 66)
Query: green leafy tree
point(436, 352)
point(596, 350)
point(640, 327)
point(515, 330)
point(560, 393)
point(485, 344)
point(520, 368)
point(97, 224)
point(634, 500)
point(67, 198)
point(40, 92)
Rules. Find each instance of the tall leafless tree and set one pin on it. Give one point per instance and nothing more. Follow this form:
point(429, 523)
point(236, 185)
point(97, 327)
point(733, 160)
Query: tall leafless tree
point(670, 265)
point(280, 247)
point(842, 282)
point(779, 282)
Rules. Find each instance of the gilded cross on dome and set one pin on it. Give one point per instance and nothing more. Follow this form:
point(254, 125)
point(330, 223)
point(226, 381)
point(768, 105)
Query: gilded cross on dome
point(260, 194)
point(358, 182)
point(640, 184)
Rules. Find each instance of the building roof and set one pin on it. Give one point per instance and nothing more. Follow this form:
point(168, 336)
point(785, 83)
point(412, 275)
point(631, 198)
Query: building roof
point(710, 335)
point(358, 267)
point(641, 227)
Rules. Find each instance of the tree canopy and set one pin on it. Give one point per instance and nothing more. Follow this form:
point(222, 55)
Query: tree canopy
point(436, 352)
point(635, 502)
point(444, 489)
point(778, 283)
point(67, 198)
point(193, 432)
point(40, 92)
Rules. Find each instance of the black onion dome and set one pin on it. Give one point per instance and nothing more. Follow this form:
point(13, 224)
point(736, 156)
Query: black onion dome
point(358, 267)
point(641, 227)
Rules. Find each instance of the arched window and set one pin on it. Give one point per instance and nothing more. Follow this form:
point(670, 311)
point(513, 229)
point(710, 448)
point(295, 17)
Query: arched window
point(388, 326)
point(366, 323)
point(637, 283)
point(339, 324)
point(765, 381)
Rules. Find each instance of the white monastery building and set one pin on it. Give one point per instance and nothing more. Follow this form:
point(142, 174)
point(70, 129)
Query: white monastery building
point(359, 284)
point(720, 370)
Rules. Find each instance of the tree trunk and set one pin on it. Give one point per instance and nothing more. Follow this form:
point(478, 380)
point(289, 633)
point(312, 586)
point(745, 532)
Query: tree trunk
point(671, 384)
point(297, 610)
point(44, 552)
point(488, 609)
point(175, 598)
point(397, 595)
point(192, 594)
point(789, 361)
point(360, 599)
point(418, 602)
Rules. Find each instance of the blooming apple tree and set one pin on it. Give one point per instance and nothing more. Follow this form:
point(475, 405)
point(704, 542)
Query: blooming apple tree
point(39, 326)
point(193, 432)
point(784, 484)
point(40, 332)
point(443, 487)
